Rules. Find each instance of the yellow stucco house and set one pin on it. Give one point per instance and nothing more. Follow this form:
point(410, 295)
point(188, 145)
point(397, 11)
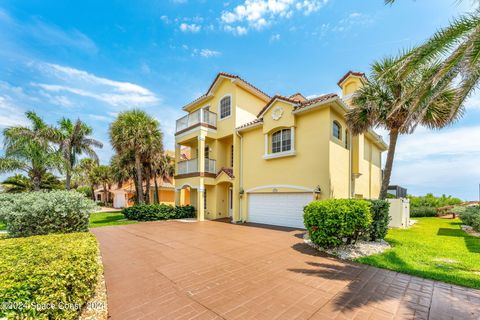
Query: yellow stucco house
point(256, 158)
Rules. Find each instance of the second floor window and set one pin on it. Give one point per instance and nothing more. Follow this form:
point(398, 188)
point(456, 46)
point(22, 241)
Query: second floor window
point(281, 141)
point(225, 107)
point(337, 130)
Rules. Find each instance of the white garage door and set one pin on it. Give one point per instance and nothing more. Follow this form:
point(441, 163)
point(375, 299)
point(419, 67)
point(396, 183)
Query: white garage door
point(280, 209)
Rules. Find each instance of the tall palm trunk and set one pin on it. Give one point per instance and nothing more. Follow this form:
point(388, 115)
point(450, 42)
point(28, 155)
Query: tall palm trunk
point(156, 196)
point(147, 184)
point(68, 179)
point(105, 194)
point(36, 183)
point(387, 172)
point(138, 185)
point(92, 189)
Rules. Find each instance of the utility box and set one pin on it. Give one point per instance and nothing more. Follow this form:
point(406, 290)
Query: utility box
point(399, 213)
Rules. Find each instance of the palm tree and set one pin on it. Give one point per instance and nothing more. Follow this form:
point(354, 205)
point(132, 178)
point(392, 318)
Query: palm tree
point(386, 101)
point(165, 169)
point(74, 140)
point(84, 173)
point(103, 175)
point(28, 149)
point(135, 132)
point(456, 47)
point(20, 183)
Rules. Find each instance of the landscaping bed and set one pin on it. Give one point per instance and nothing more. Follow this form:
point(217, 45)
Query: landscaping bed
point(433, 248)
point(48, 276)
point(361, 248)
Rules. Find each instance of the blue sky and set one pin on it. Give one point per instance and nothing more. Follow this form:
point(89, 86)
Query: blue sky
point(93, 59)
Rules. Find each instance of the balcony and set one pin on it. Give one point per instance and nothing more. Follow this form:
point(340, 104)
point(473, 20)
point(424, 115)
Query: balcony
point(201, 117)
point(191, 167)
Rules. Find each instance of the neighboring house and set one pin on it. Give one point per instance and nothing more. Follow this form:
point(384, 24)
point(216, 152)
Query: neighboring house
point(123, 195)
point(261, 159)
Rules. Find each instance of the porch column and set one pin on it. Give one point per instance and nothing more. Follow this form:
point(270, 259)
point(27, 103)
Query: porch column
point(178, 193)
point(201, 154)
point(177, 156)
point(200, 201)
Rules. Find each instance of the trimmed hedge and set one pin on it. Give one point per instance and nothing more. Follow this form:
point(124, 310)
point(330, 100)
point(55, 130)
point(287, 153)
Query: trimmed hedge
point(47, 277)
point(471, 216)
point(37, 213)
point(151, 212)
point(331, 221)
point(380, 219)
point(423, 212)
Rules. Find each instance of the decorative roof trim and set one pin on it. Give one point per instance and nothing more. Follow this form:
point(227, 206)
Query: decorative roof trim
point(275, 98)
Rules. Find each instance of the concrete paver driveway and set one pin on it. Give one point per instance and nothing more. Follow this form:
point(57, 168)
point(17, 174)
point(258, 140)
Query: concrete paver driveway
point(214, 270)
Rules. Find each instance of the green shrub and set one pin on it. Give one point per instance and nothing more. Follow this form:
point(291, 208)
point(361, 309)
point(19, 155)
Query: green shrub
point(86, 191)
point(380, 219)
point(36, 213)
point(58, 270)
point(151, 212)
point(471, 216)
point(329, 222)
point(423, 212)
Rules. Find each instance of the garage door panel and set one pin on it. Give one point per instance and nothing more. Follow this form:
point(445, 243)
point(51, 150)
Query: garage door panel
point(281, 209)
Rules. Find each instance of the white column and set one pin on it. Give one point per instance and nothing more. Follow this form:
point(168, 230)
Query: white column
point(293, 138)
point(266, 143)
point(201, 154)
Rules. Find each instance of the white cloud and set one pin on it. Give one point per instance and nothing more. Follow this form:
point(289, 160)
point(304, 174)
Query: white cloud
point(258, 14)
point(186, 27)
point(82, 83)
point(275, 37)
point(441, 161)
point(37, 30)
point(206, 53)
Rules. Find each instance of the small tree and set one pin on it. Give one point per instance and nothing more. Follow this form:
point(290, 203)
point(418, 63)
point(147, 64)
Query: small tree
point(385, 101)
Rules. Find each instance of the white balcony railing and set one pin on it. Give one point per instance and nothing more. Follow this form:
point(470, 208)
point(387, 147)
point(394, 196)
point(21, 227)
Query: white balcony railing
point(191, 166)
point(188, 166)
point(200, 116)
point(210, 166)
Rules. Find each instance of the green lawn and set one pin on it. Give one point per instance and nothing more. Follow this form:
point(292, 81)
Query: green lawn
point(433, 248)
point(102, 219)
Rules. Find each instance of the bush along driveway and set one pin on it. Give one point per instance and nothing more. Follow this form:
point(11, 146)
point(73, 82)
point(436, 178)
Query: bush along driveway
point(215, 270)
point(433, 248)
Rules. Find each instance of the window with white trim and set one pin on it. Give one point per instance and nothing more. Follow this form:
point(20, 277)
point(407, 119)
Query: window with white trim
point(337, 130)
point(282, 141)
point(225, 107)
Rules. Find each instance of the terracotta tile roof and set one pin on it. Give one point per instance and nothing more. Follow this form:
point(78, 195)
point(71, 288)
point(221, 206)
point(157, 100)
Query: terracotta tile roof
point(298, 96)
point(228, 171)
point(315, 100)
point(258, 120)
point(228, 75)
point(353, 73)
point(275, 97)
point(234, 76)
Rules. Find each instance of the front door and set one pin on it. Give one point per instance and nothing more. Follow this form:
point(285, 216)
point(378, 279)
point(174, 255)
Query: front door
point(230, 201)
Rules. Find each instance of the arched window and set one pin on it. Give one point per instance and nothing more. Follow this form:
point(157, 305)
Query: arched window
point(337, 130)
point(225, 107)
point(281, 141)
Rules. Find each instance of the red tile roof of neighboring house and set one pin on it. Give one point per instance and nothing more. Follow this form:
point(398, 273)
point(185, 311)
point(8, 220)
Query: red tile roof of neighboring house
point(228, 172)
point(353, 73)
